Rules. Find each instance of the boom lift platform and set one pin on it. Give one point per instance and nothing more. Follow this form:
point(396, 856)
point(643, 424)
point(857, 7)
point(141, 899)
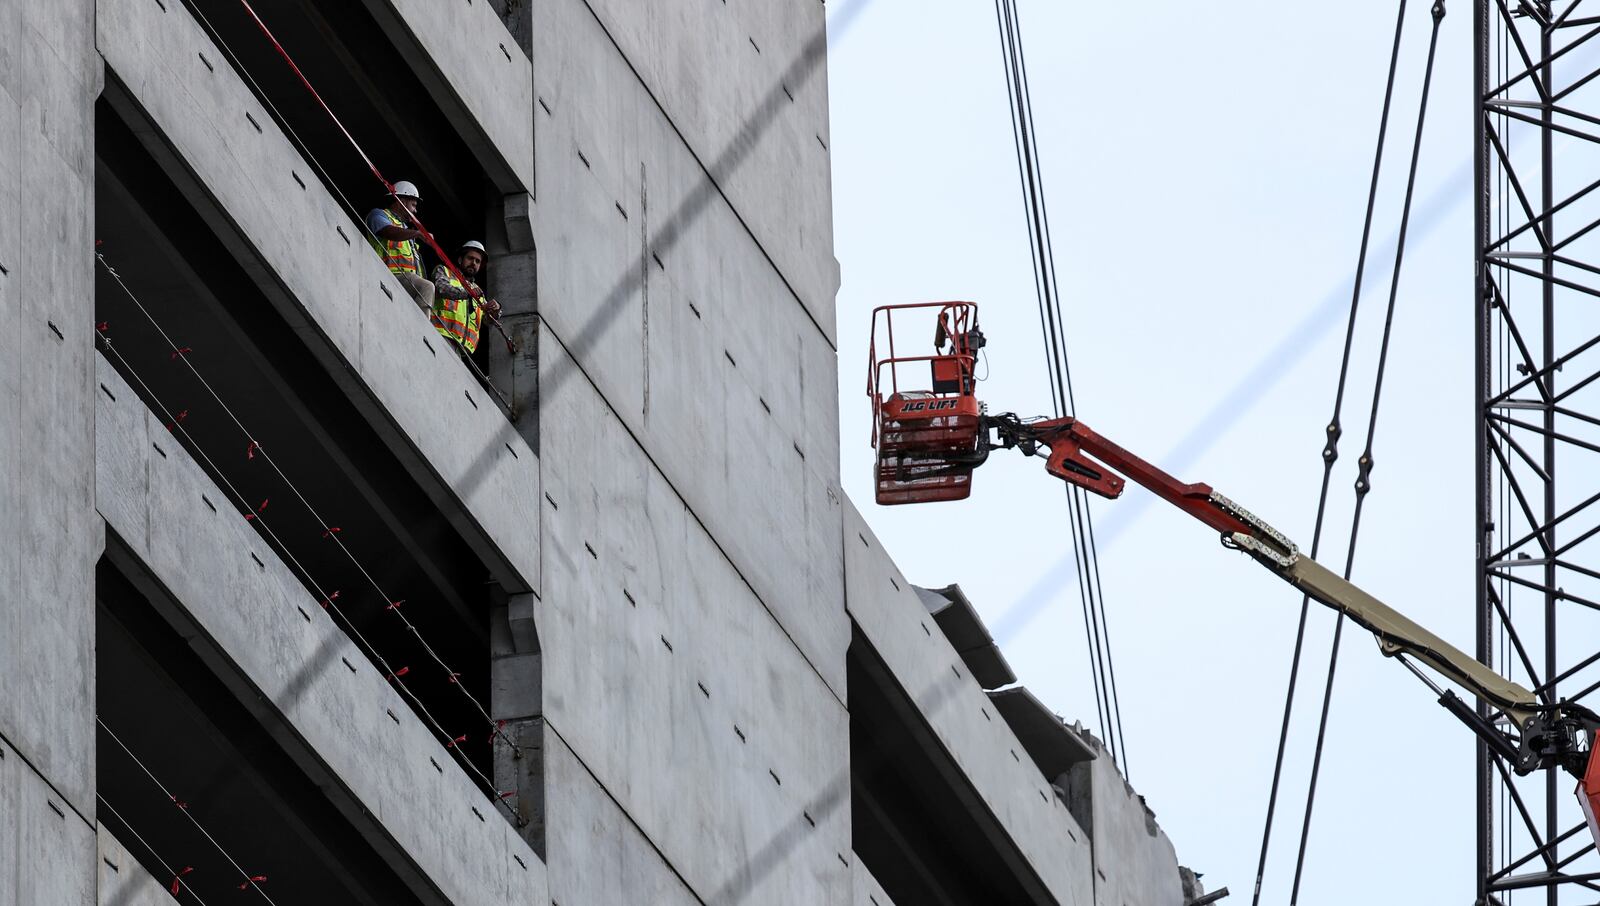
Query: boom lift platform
point(930, 441)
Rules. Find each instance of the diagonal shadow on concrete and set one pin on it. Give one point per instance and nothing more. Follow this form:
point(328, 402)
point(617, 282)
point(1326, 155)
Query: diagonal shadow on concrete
point(812, 56)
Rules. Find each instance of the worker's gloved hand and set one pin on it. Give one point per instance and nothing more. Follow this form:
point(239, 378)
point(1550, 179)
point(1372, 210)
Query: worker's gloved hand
point(493, 308)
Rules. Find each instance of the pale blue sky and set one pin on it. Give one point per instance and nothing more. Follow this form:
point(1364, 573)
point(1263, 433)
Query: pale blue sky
point(1207, 167)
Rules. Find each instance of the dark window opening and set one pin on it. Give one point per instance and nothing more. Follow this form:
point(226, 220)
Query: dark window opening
point(916, 822)
point(230, 772)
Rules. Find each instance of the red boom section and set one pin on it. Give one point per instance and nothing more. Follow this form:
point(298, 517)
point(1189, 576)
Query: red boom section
point(926, 422)
point(1069, 439)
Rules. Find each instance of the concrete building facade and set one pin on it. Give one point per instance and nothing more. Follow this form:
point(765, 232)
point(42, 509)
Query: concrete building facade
point(297, 604)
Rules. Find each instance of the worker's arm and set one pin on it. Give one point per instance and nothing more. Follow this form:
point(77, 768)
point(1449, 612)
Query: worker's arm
point(379, 224)
point(399, 233)
point(444, 288)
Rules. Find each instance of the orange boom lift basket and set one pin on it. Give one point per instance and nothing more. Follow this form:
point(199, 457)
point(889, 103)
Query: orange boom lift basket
point(926, 422)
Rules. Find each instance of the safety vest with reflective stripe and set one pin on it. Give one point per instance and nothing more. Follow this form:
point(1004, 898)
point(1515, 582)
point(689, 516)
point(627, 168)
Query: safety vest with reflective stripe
point(456, 318)
point(401, 256)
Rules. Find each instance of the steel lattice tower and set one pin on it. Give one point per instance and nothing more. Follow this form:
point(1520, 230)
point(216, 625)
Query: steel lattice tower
point(1537, 317)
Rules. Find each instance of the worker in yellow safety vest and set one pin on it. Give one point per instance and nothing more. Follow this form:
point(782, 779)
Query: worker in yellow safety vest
point(456, 313)
point(395, 238)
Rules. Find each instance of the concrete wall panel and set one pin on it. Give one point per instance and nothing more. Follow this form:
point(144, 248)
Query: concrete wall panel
point(123, 881)
point(745, 84)
point(478, 74)
point(894, 619)
point(671, 309)
point(354, 315)
point(46, 848)
point(257, 621)
point(660, 663)
point(49, 535)
point(597, 856)
point(1133, 859)
point(868, 891)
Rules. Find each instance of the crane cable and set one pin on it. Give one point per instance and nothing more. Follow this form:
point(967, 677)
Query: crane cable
point(1363, 480)
point(1052, 326)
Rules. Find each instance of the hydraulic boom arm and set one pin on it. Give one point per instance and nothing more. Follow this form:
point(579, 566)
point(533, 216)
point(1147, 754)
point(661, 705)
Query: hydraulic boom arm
point(1547, 734)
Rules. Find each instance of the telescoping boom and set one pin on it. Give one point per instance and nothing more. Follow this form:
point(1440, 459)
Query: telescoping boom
point(931, 434)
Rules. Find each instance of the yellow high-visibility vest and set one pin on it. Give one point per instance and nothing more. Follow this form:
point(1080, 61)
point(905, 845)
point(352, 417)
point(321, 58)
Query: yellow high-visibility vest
point(402, 256)
point(457, 319)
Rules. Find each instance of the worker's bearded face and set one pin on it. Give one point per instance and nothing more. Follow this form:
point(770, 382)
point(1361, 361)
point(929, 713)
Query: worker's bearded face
point(410, 204)
point(471, 263)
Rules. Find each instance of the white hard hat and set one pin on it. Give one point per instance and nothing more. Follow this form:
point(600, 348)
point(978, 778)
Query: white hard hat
point(403, 189)
point(474, 244)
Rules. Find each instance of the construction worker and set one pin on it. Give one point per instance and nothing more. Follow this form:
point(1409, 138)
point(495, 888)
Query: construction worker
point(456, 314)
point(395, 240)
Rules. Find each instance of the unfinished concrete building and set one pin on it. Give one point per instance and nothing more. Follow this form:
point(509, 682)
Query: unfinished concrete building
point(296, 606)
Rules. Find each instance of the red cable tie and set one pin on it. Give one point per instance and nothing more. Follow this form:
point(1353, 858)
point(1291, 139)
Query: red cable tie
point(395, 605)
point(103, 326)
point(250, 451)
point(172, 425)
point(177, 880)
point(499, 725)
point(328, 601)
point(259, 510)
point(507, 795)
point(254, 879)
point(455, 742)
point(399, 673)
point(180, 351)
point(454, 677)
point(331, 531)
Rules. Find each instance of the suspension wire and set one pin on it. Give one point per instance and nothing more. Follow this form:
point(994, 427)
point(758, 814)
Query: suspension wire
point(173, 873)
point(1081, 496)
point(1330, 450)
point(327, 599)
point(1058, 403)
point(1052, 321)
point(1363, 479)
point(249, 879)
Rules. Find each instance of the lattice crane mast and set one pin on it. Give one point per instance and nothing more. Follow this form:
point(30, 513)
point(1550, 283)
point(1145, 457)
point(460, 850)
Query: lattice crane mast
point(931, 433)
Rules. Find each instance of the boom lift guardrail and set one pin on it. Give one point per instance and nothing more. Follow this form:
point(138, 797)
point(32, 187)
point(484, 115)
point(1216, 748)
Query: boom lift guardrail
point(929, 442)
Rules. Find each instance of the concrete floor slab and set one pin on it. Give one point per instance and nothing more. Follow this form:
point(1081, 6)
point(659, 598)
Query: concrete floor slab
point(894, 620)
point(256, 624)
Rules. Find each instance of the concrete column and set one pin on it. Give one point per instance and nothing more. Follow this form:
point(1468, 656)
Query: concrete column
point(517, 699)
point(513, 281)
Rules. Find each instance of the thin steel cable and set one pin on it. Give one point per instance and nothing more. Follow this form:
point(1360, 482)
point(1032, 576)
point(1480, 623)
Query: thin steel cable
point(172, 872)
point(248, 878)
point(1092, 551)
point(327, 598)
point(1052, 321)
point(1058, 401)
point(1330, 449)
point(327, 526)
point(1363, 479)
